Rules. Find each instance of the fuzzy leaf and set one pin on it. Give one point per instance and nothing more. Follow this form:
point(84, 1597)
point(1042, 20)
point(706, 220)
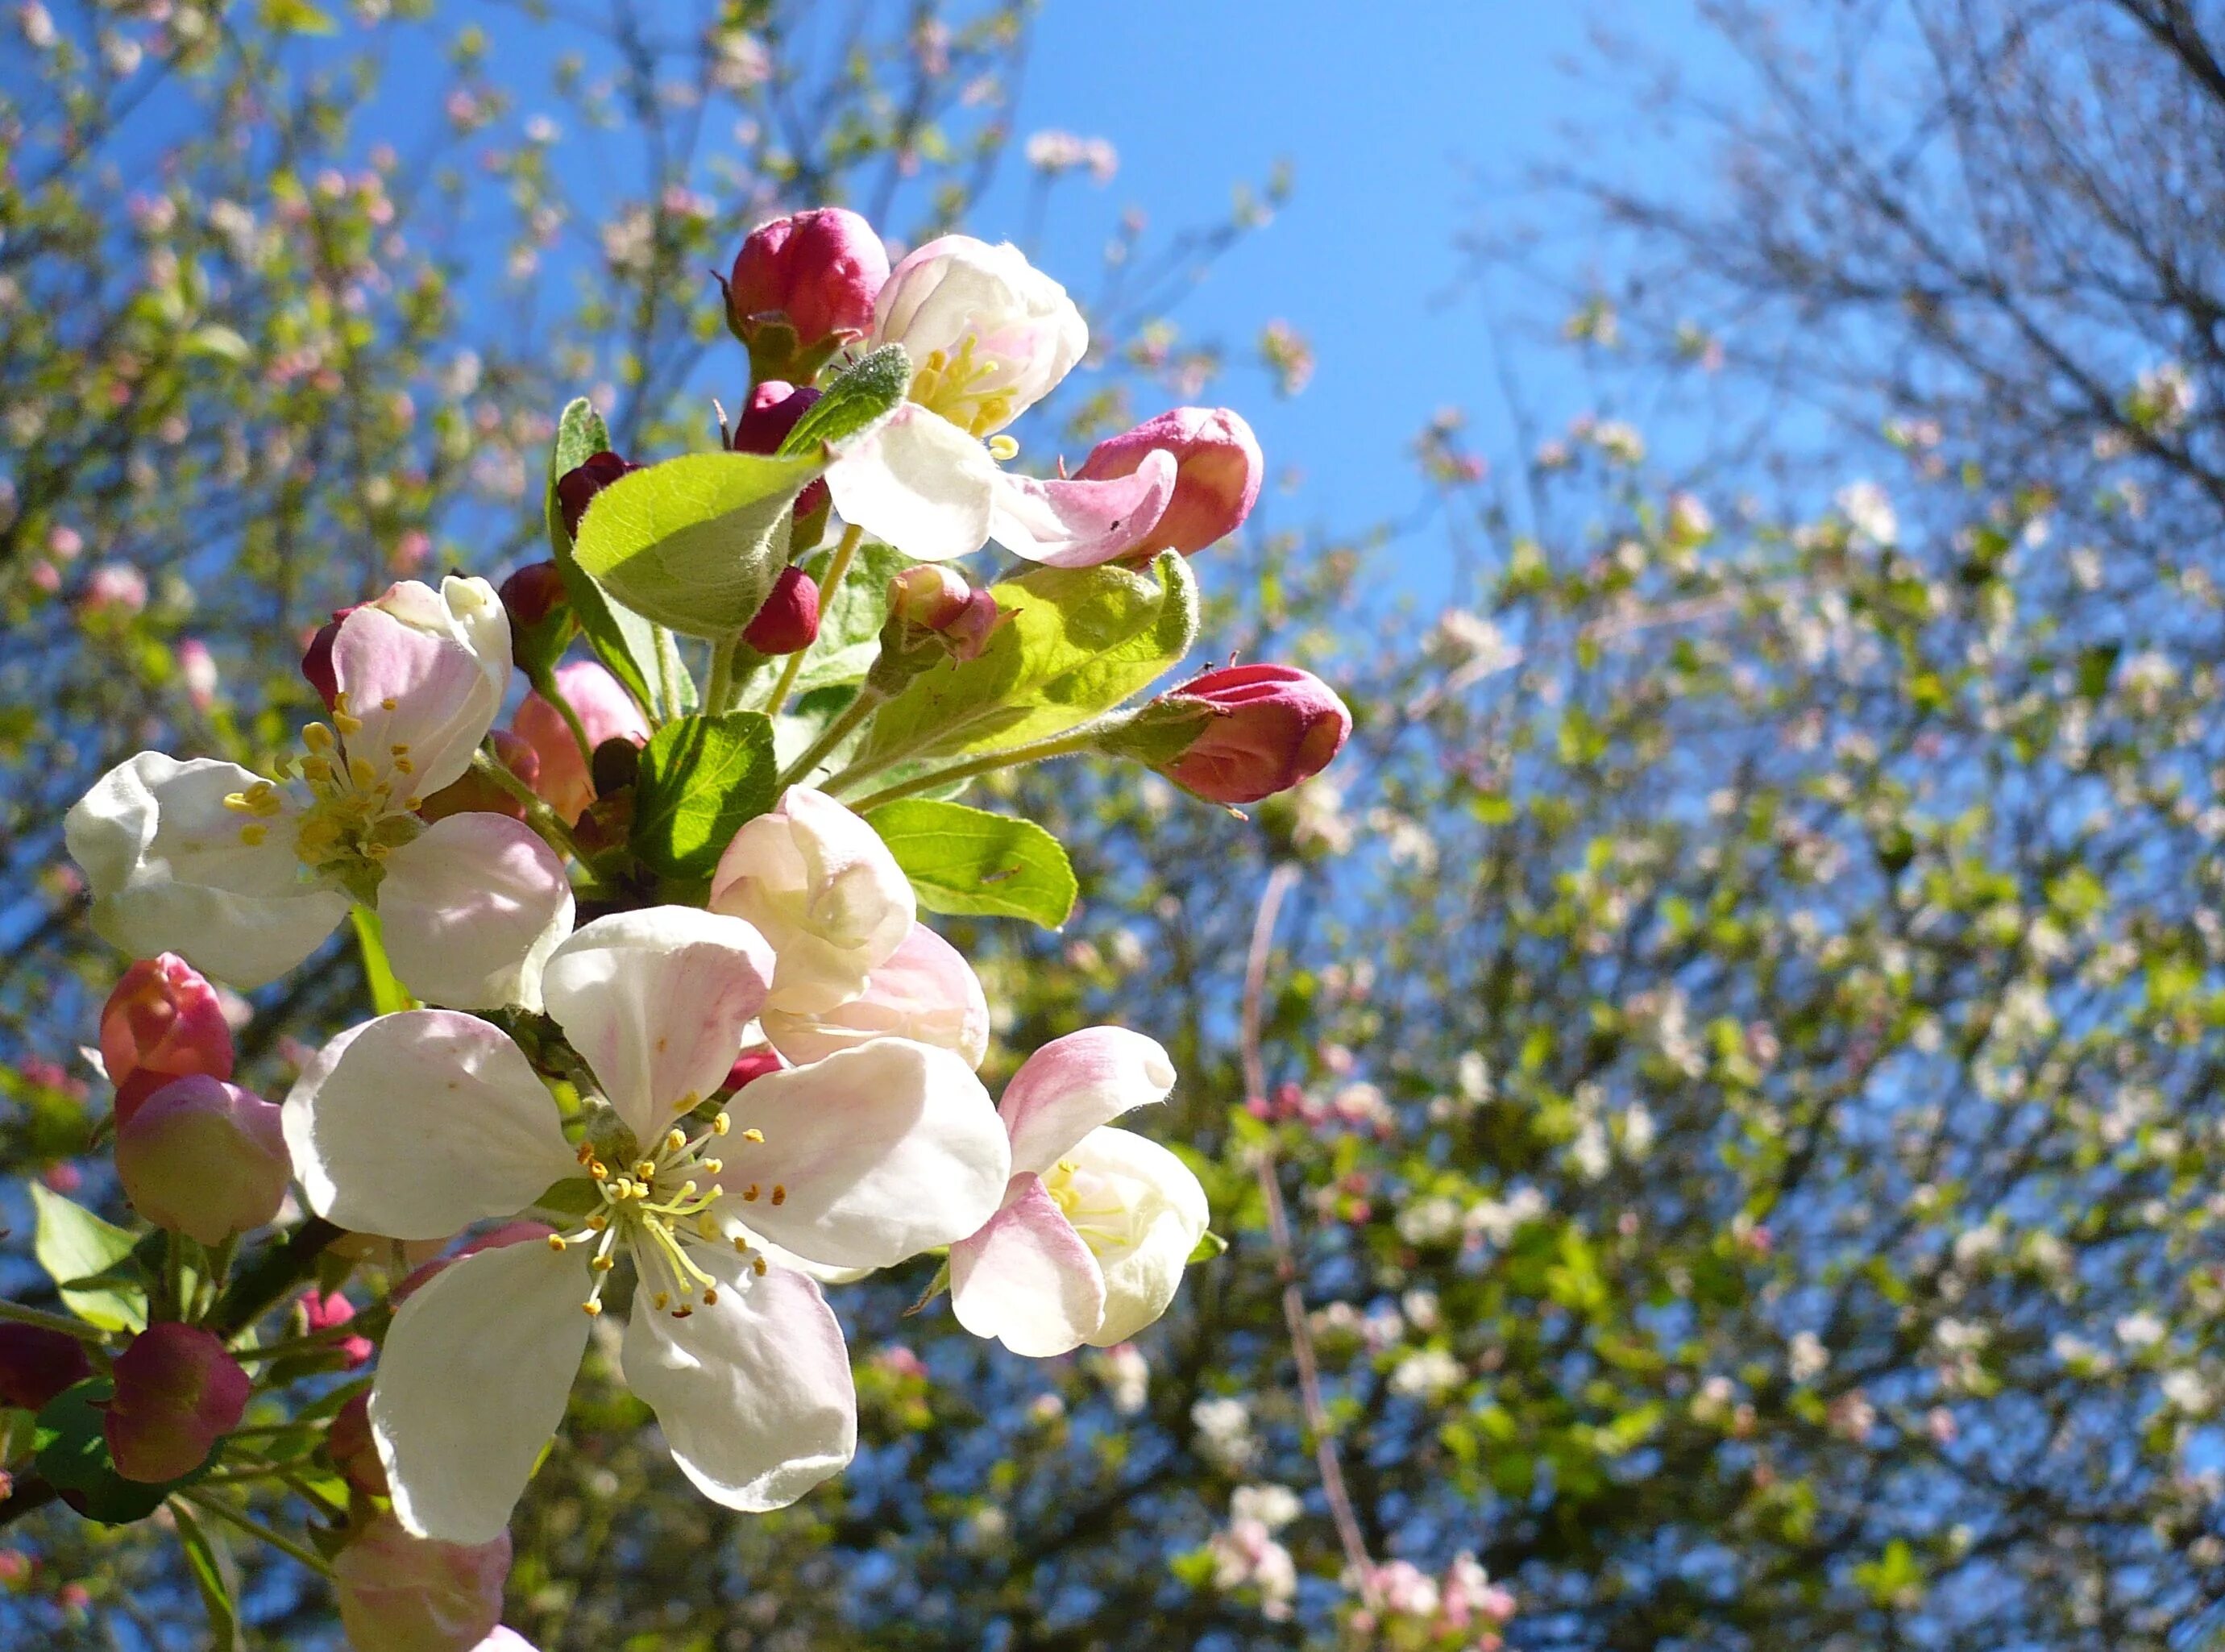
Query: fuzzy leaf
point(622, 639)
point(969, 863)
point(702, 778)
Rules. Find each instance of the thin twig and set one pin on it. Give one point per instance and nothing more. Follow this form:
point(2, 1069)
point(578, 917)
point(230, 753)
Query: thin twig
point(1280, 882)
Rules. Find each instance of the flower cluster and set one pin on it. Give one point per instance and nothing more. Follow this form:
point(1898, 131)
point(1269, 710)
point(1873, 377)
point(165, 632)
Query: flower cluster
point(663, 1036)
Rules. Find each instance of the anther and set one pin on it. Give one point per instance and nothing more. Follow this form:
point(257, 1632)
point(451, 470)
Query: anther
point(663, 1299)
point(388, 703)
point(779, 1193)
point(345, 724)
point(742, 1246)
point(674, 1140)
point(1002, 447)
point(361, 772)
point(252, 836)
point(645, 1169)
point(750, 1194)
point(586, 1151)
point(757, 1136)
point(682, 1313)
point(591, 1308)
point(710, 1299)
point(599, 1170)
point(603, 1264)
point(556, 1242)
point(714, 1166)
point(318, 739)
point(721, 1124)
point(758, 1267)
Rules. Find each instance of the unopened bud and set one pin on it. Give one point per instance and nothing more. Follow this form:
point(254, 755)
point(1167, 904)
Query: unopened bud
point(751, 1065)
point(929, 594)
point(401, 1593)
point(163, 1021)
point(1238, 734)
point(474, 793)
point(788, 621)
point(317, 658)
point(328, 1310)
point(354, 1453)
point(177, 1392)
point(774, 408)
point(541, 624)
point(1218, 469)
point(605, 711)
point(801, 287)
point(204, 1158)
point(576, 489)
point(36, 1364)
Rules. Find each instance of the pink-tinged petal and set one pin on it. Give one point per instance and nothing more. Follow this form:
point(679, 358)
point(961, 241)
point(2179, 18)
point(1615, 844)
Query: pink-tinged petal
point(1027, 1279)
point(471, 910)
point(169, 871)
point(417, 1125)
point(656, 1002)
point(204, 1158)
point(399, 1594)
point(410, 689)
point(177, 1391)
point(473, 1382)
point(918, 483)
point(163, 1021)
point(1072, 1085)
point(1073, 524)
point(926, 992)
point(605, 711)
point(753, 1392)
point(869, 1156)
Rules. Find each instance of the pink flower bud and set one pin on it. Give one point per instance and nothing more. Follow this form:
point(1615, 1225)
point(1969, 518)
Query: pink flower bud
point(751, 1065)
point(788, 621)
point(1218, 468)
point(36, 1364)
point(1269, 727)
point(197, 670)
point(317, 658)
point(541, 624)
point(204, 1158)
point(605, 711)
point(401, 1593)
point(163, 1022)
point(354, 1453)
point(774, 408)
point(320, 1312)
point(576, 489)
point(815, 274)
point(929, 594)
point(926, 992)
point(177, 1392)
point(474, 793)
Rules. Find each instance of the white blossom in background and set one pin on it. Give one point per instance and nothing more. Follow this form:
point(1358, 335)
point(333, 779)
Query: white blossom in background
point(1868, 509)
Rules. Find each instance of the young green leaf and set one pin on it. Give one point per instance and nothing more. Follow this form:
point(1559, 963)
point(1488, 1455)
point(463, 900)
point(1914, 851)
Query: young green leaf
point(622, 639)
point(694, 543)
point(702, 778)
point(73, 1244)
point(969, 863)
point(860, 396)
point(1078, 642)
point(209, 1559)
point(1209, 1245)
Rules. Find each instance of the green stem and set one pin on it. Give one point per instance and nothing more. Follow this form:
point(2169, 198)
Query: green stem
point(721, 685)
point(255, 1528)
point(668, 671)
point(1082, 739)
point(852, 714)
point(545, 685)
point(258, 1286)
point(538, 814)
point(837, 571)
point(68, 1327)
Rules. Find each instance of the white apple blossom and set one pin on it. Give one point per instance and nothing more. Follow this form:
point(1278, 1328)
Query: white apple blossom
point(989, 336)
point(245, 875)
point(1097, 1224)
point(415, 1126)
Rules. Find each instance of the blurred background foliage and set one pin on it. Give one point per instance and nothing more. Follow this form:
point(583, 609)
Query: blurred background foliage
point(1741, 1048)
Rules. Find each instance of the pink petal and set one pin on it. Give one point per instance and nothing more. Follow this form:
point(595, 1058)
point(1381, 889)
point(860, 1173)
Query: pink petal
point(1079, 524)
point(1074, 1083)
point(1027, 1278)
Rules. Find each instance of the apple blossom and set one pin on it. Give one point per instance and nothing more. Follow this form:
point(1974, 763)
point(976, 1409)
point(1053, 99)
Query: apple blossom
point(822, 887)
point(163, 1021)
point(989, 336)
point(422, 1123)
point(1097, 1224)
point(925, 991)
point(246, 876)
point(203, 1158)
point(605, 711)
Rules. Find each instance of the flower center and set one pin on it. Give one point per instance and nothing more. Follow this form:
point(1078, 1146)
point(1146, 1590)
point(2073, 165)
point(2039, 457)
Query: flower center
point(952, 385)
point(354, 818)
point(657, 1209)
point(1091, 1205)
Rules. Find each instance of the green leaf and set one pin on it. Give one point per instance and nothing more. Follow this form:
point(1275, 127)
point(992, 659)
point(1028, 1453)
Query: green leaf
point(295, 17)
point(209, 1558)
point(72, 1244)
point(622, 639)
point(859, 397)
point(702, 778)
point(1079, 642)
point(969, 863)
point(694, 543)
point(1209, 1245)
point(73, 1453)
point(850, 619)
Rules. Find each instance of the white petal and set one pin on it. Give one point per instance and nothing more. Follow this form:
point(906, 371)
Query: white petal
point(1143, 1251)
point(657, 1001)
point(471, 910)
point(1074, 524)
point(1074, 1084)
point(169, 871)
point(417, 1125)
point(473, 1382)
point(426, 694)
point(875, 1154)
point(925, 991)
point(753, 1393)
point(920, 483)
point(1027, 1279)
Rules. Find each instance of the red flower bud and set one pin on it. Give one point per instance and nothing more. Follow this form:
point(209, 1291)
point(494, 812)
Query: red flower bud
point(576, 489)
point(1217, 469)
point(774, 408)
point(163, 1022)
point(36, 1364)
point(801, 285)
point(317, 658)
point(541, 624)
point(751, 1065)
point(475, 794)
point(177, 1391)
point(788, 621)
point(204, 1158)
point(328, 1312)
point(1267, 728)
